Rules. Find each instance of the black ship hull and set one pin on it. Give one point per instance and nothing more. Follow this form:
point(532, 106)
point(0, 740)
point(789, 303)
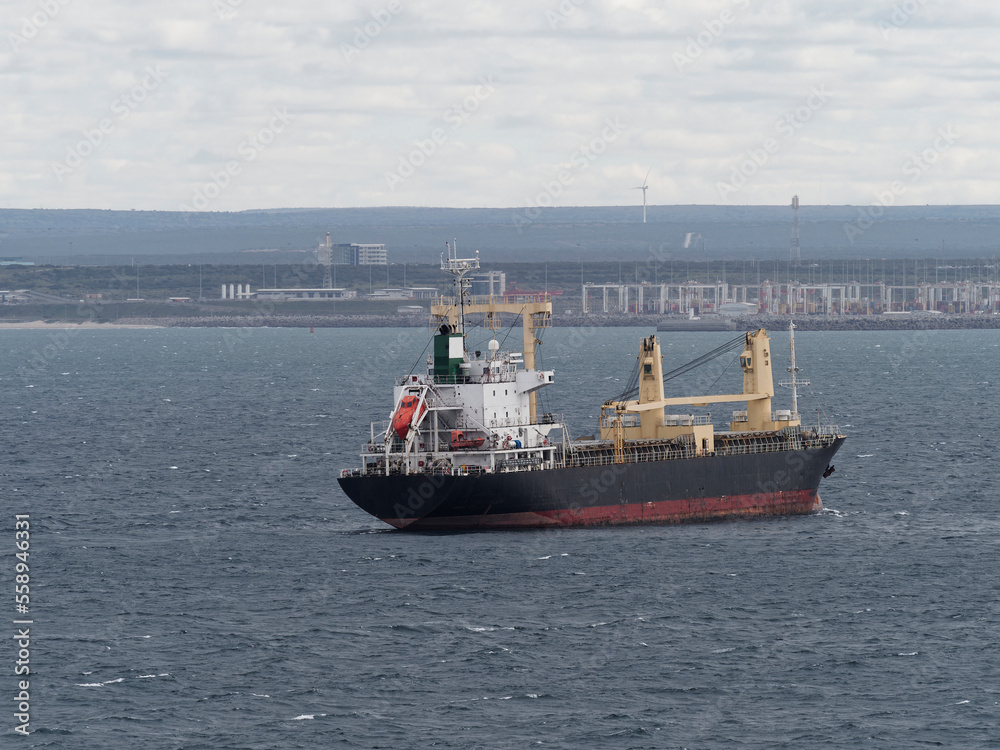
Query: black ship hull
point(783, 482)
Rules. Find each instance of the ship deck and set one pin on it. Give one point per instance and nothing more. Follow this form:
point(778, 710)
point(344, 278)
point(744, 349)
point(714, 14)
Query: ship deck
point(602, 452)
point(590, 452)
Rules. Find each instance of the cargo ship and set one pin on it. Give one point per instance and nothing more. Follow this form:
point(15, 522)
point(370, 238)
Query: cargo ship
point(465, 446)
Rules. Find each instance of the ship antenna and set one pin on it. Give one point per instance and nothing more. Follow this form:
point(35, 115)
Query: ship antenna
point(461, 294)
point(459, 268)
point(793, 370)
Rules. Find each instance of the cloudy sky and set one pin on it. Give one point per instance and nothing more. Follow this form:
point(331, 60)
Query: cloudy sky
point(242, 104)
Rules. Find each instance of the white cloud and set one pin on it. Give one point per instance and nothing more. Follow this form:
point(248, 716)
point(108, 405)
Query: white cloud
point(365, 82)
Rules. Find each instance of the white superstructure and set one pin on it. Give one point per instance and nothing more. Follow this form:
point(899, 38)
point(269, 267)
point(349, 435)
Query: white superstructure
point(468, 412)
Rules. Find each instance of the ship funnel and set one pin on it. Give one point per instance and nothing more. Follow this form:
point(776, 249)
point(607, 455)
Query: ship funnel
point(449, 355)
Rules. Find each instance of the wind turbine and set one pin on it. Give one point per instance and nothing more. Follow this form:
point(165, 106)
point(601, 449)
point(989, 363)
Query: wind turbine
point(644, 187)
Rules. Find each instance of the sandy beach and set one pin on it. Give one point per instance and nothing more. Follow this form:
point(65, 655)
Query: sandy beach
point(64, 324)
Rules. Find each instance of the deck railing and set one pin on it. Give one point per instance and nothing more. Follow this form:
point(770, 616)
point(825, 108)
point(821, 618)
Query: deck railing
point(603, 454)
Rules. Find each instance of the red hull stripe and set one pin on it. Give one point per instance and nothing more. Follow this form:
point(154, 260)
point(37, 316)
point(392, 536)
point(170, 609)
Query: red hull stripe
point(665, 511)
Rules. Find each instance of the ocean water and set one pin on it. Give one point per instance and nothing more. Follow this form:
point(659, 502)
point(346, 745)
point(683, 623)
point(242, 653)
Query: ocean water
point(198, 580)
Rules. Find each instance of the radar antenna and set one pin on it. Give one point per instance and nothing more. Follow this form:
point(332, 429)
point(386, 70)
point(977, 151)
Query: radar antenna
point(460, 268)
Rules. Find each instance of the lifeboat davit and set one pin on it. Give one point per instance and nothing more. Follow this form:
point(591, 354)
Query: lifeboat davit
point(404, 415)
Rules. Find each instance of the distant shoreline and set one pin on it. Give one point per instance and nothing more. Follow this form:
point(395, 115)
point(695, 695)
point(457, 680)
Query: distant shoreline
point(57, 324)
point(774, 323)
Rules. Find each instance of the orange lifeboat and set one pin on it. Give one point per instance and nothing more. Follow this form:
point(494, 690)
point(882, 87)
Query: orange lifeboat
point(460, 441)
point(406, 414)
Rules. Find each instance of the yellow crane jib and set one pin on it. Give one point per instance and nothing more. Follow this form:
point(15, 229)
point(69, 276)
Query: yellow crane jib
point(645, 419)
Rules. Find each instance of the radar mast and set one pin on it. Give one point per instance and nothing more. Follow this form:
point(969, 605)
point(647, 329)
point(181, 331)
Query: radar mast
point(460, 268)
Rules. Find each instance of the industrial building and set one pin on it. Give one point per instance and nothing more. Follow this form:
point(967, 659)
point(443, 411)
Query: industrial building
point(350, 254)
point(793, 297)
point(236, 291)
point(305, 294)
point(488, 283)
point(407, 292)
point(244, 292)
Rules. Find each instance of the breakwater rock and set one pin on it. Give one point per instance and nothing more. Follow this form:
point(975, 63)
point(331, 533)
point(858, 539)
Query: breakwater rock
point(283, 321)
point(771, 322)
